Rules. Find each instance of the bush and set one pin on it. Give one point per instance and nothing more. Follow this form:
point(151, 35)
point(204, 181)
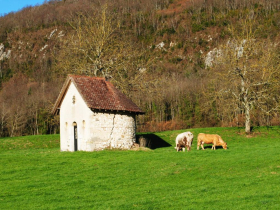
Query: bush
point(197, 27)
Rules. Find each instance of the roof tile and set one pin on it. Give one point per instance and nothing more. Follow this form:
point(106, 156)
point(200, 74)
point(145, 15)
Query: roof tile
point(99, 94)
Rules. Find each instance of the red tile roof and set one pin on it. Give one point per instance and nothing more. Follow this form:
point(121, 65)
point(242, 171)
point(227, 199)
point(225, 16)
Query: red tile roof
point(98, 94)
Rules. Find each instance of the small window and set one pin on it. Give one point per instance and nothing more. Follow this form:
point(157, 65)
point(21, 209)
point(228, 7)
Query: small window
point(74, 100)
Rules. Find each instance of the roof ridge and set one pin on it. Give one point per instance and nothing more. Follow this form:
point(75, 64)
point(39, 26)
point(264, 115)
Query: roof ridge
point(86, 76)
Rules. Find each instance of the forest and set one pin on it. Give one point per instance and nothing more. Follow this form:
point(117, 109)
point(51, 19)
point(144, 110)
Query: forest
point(186, 63)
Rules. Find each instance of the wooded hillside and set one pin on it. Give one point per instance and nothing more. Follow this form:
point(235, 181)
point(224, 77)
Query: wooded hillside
point(185, 63)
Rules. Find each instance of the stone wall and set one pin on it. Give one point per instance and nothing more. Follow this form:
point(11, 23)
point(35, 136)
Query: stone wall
point(111, 130)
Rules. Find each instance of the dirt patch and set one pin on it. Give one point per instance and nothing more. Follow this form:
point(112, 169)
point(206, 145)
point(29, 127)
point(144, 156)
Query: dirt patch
point(251, 135)
point(140, 149)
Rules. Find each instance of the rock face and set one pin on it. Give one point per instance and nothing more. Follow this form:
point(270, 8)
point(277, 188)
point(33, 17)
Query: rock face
point(238, 48)
point(4, 54)
point(211, 56)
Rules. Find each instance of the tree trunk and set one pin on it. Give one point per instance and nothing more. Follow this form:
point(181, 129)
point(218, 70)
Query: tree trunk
point(246, 104)
point(247, 119)
point(247, 114)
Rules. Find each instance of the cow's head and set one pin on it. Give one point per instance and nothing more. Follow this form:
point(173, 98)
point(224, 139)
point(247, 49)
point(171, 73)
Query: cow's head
point(224, 145)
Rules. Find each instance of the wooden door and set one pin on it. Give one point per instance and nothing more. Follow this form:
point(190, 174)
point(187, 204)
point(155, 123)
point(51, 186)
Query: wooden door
point(75, 138)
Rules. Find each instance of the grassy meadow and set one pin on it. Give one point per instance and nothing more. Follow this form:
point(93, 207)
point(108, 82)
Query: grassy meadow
point(34, 174)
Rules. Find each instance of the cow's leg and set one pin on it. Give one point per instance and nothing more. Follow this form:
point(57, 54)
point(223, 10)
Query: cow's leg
point(214, 147)
point(198, 145)
point(184, 149)
point(188, 148)
point(202, 145)
point(177, 147)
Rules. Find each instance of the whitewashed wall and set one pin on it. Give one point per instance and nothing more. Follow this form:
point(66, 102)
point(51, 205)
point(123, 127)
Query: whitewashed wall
point(96, 130)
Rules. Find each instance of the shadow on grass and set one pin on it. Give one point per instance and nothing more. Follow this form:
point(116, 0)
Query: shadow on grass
point(210, 147)
point(151, 141)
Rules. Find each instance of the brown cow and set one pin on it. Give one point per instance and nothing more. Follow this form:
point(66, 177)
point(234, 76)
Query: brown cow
point(214, 139)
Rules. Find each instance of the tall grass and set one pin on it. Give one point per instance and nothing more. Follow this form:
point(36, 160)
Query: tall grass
point(246, 176)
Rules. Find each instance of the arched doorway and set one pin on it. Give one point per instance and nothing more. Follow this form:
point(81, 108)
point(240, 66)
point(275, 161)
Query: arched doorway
point(75, 136)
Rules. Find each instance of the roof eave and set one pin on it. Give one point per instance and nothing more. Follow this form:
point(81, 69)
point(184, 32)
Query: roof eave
point(61, 96)
point(112, 110)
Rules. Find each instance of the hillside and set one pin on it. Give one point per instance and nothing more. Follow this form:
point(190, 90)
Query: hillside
point(160, 53)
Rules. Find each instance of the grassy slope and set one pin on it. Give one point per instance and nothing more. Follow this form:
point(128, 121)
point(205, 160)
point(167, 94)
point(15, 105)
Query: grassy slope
point(246, 176)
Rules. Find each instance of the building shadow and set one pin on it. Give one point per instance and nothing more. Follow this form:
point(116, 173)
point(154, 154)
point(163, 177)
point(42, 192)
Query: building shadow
point(151, 141)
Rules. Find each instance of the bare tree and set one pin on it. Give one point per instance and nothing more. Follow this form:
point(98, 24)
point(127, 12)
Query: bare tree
point(248, 69)
point(3, 116)
point(95, 46)
point(14, 94)
point(99, 47)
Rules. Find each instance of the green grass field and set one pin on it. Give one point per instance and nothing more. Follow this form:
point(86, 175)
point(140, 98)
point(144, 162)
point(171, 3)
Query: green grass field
point(34, 174)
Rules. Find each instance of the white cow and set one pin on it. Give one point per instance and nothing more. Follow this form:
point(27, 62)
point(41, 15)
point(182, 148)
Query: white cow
point(184, 140)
